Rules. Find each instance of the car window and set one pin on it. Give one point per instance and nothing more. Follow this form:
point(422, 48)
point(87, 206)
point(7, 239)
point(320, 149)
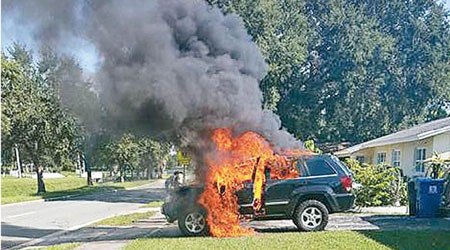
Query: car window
point(318, 166)
point(300, 164)
point(274, 172)
point(341, 165)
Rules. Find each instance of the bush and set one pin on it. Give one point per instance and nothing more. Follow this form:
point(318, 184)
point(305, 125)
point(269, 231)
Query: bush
point(380, 185)
point(7, 168)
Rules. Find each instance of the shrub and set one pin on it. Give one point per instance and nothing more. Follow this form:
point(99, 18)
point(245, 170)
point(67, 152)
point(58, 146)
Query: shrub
point(380, 185)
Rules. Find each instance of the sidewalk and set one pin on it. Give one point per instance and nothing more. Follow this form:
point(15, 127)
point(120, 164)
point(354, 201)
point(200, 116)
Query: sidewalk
point(382, 210)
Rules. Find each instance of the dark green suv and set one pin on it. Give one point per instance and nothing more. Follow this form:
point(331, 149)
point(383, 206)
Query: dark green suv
point(323, 187)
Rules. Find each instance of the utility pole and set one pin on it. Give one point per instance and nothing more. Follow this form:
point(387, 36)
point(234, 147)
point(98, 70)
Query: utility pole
point(19, 167)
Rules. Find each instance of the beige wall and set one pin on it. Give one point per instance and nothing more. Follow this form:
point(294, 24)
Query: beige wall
point(439, 143)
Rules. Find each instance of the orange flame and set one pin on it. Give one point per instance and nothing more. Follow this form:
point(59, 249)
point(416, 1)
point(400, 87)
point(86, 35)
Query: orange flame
point(238, 159)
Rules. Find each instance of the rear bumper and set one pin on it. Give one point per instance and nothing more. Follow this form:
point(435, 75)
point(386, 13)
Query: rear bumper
point(344, 202)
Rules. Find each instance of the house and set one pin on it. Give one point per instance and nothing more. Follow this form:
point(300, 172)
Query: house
point(407, 149)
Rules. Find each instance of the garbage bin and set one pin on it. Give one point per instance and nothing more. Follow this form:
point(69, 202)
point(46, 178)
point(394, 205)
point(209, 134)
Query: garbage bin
point(412, 198)
point(429, 196)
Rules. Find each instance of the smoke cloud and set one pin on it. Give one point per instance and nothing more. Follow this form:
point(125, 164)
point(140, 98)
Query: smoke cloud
point(171, 66)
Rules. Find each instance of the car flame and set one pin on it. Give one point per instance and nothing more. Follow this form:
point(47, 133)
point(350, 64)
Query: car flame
point(239, 158)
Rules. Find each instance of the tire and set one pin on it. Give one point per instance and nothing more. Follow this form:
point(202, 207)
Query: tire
point(193, 222)
point(311, 215)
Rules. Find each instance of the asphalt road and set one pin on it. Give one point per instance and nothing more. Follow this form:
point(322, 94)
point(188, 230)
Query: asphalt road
point(32, 221)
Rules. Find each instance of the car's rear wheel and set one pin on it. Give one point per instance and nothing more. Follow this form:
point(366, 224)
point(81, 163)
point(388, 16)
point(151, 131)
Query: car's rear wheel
point(193, 222)
point(311, 215)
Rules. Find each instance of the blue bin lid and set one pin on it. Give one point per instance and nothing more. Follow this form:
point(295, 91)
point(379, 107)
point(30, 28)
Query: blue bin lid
point(429, 180)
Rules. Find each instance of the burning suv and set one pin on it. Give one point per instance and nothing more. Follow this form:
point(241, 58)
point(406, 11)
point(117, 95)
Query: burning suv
point(323, 186)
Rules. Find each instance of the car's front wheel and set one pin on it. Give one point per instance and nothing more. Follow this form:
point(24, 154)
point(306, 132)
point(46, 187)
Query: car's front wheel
point(193, 222)
point(311, 215)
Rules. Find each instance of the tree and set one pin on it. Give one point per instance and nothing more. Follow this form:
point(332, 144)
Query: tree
point(373, 67)
point(346, 70)
point(311, 146)
point(155, 155)
point(32, 118)
point(75, 95)
point(125, 153)
point(280, 30)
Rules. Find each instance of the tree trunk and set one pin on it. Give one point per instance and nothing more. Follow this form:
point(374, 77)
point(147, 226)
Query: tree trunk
point(89, 178)
point(87, 167)
point(149, 171)
point(40, 178)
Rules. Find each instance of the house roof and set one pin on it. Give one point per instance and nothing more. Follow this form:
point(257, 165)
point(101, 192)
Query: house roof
point(415, 133)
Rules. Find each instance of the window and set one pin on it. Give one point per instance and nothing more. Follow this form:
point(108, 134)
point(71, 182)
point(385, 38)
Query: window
point(317, 166)
point(420, 157)
point(381, 157)
point(396, 158)
point(361, 159)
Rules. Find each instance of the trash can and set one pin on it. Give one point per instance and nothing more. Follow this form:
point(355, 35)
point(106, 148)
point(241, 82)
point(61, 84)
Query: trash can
point(412, 198)
point(428, 196)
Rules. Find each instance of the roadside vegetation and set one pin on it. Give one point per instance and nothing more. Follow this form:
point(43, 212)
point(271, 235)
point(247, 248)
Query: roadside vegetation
point(125, 220)
point(380, 185)
point(419, 239)
point(153, 204)
point(52, 121)
point(65, 246)
point(24, 189)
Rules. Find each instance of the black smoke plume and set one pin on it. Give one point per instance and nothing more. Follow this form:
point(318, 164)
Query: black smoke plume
point(179, 67)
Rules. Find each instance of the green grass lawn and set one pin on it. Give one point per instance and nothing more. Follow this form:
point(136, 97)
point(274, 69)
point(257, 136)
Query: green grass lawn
point(315, 240)
point(65, 246)
point(69, 174)
point(153, 204)
point(125, 220)
point(24, 189)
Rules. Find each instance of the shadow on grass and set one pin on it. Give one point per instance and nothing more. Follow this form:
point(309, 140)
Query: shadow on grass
point(119, 194)
point(112, 233)
point(410, 239)
point(106, 193)
point(403, 222)
point(54, 195)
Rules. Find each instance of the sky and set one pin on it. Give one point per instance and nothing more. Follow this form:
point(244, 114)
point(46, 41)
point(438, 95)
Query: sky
point(82, 49)
point(85, 52)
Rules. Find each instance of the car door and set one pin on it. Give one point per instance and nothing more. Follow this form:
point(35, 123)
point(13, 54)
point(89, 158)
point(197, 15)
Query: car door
point(277, 193)
point(245, 198)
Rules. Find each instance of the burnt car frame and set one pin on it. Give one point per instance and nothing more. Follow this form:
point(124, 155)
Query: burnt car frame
point(323, 187)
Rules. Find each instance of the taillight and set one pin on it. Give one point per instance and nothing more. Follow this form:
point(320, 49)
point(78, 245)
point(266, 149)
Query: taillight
point(346, 182)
